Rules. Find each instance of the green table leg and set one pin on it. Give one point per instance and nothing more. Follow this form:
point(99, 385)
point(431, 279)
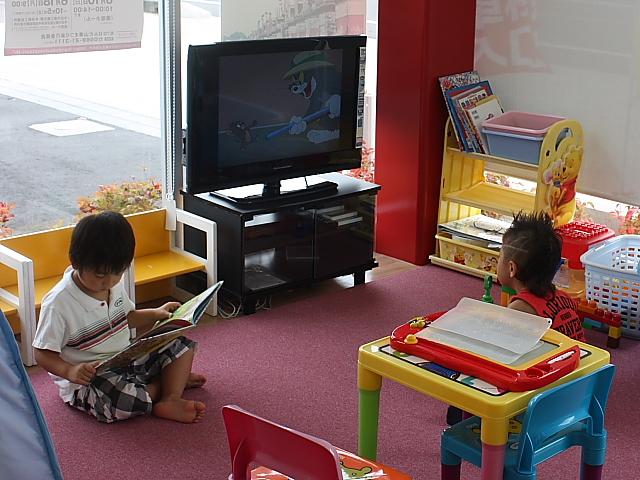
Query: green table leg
point(368, 410)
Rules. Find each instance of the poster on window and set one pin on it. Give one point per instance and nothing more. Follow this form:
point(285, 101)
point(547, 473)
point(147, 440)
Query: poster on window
point(38, 27)
point(248, 19)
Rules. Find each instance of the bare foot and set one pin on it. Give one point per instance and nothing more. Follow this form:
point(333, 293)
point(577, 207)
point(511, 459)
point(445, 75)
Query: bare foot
point(180, 410)
point(196, 380)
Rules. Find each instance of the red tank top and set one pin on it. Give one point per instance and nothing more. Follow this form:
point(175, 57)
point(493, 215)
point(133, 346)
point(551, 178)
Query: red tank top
point(560, 308)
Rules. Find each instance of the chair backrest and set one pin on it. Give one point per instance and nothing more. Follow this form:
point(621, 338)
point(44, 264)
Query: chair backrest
point(256, 441)
point(150, 231)
point(581, 400)
point(49, 249)
point(26, 450)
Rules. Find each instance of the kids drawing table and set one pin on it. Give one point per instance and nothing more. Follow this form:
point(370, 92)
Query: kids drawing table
point(377, 360)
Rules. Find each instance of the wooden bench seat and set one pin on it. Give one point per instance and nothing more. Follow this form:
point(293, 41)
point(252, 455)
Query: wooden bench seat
point(40, 258)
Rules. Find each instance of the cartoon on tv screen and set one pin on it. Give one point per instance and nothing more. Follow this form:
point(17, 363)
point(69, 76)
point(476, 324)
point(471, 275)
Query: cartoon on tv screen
point(279, 105)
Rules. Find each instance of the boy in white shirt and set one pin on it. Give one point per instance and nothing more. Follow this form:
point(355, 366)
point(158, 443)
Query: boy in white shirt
point(87, 317)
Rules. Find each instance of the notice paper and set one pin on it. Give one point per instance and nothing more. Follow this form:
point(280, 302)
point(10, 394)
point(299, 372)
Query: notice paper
point(498, 333)
point(38, 27)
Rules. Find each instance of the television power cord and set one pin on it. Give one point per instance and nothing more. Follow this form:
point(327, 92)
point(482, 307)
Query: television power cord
point(264, 303)
point(228, 309)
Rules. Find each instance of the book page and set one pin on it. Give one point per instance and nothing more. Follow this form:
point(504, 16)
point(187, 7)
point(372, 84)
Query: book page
point(190, 311)
point(140, 348)
point(184, 318)
point(483, 110)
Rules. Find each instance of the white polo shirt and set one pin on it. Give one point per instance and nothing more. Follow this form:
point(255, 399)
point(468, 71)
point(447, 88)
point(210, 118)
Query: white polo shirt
point(82, 328)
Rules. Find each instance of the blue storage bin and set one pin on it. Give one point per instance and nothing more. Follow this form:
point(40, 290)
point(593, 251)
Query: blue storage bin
point(518, 147)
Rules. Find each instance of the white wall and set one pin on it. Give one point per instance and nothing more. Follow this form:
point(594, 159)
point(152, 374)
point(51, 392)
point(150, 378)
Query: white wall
point(577, 58)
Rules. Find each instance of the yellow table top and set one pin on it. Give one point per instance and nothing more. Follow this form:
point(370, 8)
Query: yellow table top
point(376, 359)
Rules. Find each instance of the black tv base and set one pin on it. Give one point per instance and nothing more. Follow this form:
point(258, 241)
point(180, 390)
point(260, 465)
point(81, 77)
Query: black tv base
point(272, 192)
point(289, 241)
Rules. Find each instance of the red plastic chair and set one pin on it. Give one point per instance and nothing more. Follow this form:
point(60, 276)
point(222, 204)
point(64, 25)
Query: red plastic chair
point(278, 451)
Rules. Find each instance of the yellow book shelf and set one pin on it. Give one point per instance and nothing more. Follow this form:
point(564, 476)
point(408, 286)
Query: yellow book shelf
point(464, 192)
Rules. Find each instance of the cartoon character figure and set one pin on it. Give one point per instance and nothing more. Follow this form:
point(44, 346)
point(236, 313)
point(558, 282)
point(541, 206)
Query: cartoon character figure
point(566, 203)
point(560, 178)
point(242, 132)
point(470, 259)
point(354, 472)
point(458, 255)
point(490, 264)
point(317, 80)
point(553, 179)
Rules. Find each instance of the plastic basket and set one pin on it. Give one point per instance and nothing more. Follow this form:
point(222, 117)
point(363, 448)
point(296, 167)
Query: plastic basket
point(612, 279)
point(522, 123)
point(518, 135)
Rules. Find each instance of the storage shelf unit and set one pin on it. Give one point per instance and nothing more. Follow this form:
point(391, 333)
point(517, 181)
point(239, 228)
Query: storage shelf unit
point(464, 192)
point(487, 196)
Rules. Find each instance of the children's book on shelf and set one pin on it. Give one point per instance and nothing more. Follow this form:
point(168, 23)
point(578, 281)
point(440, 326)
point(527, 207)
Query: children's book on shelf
point(461, 99)
point(448, 82)
point(478, 227)
point(458, 98)
point(477, 114)
point(182, 319)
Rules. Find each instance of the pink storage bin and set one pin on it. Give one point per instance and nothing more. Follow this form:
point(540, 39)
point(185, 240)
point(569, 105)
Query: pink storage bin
point(522, 123)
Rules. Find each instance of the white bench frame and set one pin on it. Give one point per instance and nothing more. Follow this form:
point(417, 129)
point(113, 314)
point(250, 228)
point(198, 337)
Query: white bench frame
point(25, 301)
point(177, 240)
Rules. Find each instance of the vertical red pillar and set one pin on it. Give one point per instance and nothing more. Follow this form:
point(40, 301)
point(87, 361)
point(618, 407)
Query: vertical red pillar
point(418, 41)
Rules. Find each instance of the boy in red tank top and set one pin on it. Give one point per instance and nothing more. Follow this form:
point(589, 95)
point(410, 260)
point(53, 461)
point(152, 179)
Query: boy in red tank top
point(529, 259)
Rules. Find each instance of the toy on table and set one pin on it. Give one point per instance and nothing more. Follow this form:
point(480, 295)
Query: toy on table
point(593, 316)
point(505, 295)
point(528, 377)
point(488, 283)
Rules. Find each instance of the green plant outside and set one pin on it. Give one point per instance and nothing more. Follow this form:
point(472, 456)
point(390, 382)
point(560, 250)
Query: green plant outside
point(125, 198)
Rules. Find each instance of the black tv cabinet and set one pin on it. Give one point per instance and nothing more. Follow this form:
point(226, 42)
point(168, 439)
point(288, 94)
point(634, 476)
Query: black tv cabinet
point(289, 242)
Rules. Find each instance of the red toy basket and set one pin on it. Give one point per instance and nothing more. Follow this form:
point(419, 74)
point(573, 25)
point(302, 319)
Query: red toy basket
point(578, 237)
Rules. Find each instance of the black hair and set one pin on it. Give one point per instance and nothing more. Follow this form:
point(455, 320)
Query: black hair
point(102, 242)
point(535, 247)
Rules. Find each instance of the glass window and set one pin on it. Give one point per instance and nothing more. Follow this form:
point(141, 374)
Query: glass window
point(78, 132)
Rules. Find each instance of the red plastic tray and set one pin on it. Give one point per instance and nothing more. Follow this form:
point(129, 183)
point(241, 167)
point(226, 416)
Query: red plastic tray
point(503, 376)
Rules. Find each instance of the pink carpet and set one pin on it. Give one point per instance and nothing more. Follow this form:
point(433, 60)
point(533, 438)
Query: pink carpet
point(296, 364)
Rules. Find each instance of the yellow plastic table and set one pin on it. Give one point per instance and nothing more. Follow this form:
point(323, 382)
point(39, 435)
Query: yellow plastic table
point(376, 360)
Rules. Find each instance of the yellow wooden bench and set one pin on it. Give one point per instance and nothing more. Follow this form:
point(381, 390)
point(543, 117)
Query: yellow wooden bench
point(31, 264)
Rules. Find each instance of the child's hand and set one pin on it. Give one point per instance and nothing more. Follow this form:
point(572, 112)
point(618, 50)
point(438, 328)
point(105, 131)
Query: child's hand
point(165, 310)
point(82, 373)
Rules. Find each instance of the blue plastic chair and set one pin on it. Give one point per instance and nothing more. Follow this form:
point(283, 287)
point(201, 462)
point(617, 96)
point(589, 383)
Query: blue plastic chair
point(26, 450)
point(567, 415)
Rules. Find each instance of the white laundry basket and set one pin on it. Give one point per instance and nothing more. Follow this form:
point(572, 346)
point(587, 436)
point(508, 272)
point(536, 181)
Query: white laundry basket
point(613, 281)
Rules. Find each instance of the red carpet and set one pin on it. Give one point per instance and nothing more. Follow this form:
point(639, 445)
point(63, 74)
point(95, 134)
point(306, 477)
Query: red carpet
point(296, 364)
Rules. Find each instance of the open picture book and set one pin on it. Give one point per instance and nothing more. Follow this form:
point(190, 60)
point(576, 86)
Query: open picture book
point(182, 319)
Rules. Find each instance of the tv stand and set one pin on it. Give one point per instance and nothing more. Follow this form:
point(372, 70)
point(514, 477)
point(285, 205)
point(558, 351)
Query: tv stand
point(296, 188)
point(288, 240)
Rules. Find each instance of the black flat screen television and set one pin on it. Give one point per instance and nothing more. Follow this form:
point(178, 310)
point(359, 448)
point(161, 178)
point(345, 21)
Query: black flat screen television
point(260, 111)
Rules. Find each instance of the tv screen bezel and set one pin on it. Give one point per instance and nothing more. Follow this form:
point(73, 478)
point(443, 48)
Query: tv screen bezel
point(202, 171)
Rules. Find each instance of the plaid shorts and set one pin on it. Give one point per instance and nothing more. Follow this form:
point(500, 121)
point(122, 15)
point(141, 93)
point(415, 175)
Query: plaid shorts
point(122, 393)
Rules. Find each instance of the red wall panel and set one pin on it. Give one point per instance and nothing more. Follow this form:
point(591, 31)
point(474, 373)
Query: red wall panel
point(418, 41)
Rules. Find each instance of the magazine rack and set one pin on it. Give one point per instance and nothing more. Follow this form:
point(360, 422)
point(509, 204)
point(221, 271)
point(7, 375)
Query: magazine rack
point(465, 191)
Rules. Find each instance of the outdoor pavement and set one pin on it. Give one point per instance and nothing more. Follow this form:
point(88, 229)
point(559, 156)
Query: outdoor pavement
point(45, 175)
